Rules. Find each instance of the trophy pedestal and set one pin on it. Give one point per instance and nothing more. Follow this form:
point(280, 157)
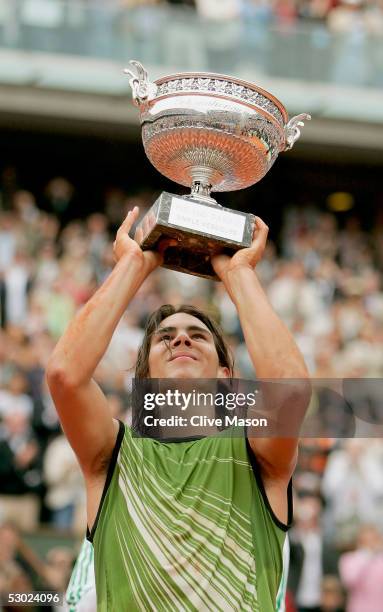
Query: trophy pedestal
point(201, 227)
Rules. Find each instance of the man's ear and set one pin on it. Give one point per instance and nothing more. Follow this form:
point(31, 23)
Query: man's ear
point(223, 372)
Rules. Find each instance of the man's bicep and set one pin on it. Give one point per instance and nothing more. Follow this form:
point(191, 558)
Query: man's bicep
point(283, 403)
point(87, 422)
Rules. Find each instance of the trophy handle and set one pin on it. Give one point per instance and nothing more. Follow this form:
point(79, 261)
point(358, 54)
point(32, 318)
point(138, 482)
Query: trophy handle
point(143, 90)
point(292, 131)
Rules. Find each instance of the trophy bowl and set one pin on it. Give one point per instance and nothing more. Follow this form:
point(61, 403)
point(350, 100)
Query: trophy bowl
point(226, 130)
point(210, 132)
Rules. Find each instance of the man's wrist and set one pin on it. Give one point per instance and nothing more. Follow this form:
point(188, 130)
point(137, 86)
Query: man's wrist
point(130, 273)
point(133, 264)
point(238, 278)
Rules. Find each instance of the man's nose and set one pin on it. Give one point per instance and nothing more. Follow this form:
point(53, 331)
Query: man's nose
point(181, 338)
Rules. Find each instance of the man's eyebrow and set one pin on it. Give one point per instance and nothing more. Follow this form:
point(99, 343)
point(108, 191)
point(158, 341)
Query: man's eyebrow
point(162, 330)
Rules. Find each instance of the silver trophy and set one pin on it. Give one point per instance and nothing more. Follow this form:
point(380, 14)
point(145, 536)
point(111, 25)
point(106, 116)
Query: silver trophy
point(209, 132)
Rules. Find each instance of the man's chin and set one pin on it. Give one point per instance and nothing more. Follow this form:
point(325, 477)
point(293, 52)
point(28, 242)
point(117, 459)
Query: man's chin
point(184, 371)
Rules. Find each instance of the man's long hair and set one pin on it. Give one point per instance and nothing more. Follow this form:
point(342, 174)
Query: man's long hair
point(225, 357)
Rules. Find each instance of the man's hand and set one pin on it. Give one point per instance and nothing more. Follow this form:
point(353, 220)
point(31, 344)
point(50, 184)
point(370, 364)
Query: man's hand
point(125, 245)
point(244, 258)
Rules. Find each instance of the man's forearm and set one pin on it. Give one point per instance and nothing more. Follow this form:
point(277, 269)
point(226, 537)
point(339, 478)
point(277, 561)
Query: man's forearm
point(271, 346)
point(87, 337)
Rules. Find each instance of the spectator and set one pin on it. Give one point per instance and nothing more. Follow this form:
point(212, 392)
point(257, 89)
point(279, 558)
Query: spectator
point(20, 471)
point(285, 12)
point(332, 595)
point(362, 571)
point(59, 194)
point(315, 9)
point(8, 179)
point(352, 486)
point(98, 240)
point(13, 577)
point(311, 557)
point(59, 307)
point(16, 286)
point(65, 485)
point(23, 571)
point(27, 213)
point(8, 239)
point(47, 266)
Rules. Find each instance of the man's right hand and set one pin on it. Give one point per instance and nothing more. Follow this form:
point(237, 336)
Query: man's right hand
point(125, 245)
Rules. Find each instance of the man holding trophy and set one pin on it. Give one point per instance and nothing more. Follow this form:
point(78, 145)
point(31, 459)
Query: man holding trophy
point(190, 524)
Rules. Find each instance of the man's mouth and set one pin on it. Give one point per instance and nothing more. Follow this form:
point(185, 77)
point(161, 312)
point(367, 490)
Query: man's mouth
point(182, 356)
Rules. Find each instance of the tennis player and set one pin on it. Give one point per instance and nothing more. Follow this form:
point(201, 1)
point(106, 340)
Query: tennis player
point(191, 525)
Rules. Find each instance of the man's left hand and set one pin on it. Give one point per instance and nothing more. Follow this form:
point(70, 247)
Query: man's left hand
point(244, 258)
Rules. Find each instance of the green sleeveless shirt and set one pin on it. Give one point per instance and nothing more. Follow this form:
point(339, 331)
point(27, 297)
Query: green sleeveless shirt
point(186, 526)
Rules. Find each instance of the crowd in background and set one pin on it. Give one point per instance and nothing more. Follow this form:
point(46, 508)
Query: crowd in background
point(323, 278)
point(336, 41)
point(340, 14)
point(282, 11)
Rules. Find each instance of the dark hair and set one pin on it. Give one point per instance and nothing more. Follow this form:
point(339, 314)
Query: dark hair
point(224, 354)
point(225, 357)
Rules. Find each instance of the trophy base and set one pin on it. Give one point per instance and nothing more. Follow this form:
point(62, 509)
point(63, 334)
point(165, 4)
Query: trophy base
point(201, 228)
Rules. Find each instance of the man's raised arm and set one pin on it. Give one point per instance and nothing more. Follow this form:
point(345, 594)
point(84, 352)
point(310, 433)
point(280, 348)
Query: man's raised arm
point(271, 347)
point(80, 403)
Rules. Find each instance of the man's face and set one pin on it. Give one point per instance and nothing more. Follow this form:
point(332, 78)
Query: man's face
point(183, 347)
